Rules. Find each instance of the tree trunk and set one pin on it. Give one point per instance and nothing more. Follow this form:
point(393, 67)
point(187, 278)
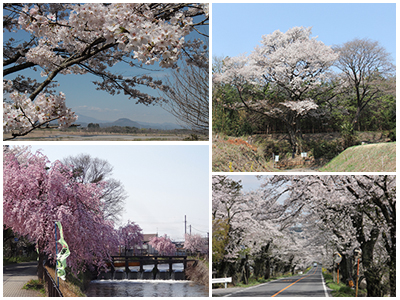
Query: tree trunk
point(258, 267)
point(294, 140)
point(267, 272)
point(292, 270)
point(392, 280)
point(355, 122)
point(244, 273)
point(40, 271)
point(346, 268)
point(372, 273)
point(390, 245)
point(374, 286)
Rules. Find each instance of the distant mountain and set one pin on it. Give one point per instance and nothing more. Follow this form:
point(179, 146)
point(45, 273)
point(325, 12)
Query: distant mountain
point(85, 120)
point(122, 122)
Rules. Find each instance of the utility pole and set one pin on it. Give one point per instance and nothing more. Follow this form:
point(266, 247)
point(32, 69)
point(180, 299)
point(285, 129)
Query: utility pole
point(190, 229)
point(185, 226)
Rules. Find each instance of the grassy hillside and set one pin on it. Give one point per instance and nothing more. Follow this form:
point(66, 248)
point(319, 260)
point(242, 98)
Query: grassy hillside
point(237, 155)
point(366, 158)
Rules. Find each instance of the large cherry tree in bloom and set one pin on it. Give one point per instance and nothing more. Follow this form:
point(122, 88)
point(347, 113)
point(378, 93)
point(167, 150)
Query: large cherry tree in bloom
point(130, 236)
point(282, 78)
point(163, 245)
point(87, 38)
point(195, 243)
point(37, 193)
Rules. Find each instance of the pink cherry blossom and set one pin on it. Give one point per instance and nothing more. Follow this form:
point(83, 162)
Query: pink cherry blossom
point(195, 243)
point(163, 245)
point(36, 193)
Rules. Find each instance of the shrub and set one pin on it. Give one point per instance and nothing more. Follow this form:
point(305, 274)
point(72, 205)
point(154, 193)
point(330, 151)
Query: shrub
point(328, 276)
point(192, 137)
point(392, 135)
point(325, 149)
point(272, 147)
point(346, 290)
point(348, 134)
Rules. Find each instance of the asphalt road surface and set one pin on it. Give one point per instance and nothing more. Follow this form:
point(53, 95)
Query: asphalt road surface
point(307, 285)
point(14, 278)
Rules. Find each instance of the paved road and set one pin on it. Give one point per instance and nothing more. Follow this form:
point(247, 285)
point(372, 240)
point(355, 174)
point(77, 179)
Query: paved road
point(14, 278)
point(308, 285)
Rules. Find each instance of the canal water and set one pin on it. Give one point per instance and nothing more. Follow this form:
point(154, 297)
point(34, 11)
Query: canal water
point(146, 288)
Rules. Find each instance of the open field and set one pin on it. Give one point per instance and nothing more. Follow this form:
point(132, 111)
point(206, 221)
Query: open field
point(59, 135)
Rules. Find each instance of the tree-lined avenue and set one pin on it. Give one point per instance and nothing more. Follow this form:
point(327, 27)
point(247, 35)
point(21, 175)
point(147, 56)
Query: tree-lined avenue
point(307, 285)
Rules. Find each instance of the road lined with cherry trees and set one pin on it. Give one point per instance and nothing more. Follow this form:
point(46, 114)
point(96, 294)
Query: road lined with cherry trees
point(307, 285)
point(290, 222)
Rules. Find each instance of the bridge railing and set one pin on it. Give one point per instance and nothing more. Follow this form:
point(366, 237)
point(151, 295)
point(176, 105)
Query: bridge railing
point(143, 260)
point(52, 289)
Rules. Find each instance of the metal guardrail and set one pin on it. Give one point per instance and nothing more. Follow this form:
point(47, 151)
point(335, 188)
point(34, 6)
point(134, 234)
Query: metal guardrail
point(52, 289)
point(221, 280)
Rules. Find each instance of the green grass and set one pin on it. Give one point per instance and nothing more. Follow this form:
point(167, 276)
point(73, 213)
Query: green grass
point(340, 289)
point(35, 285)
point(13, 260)
point(379, 157)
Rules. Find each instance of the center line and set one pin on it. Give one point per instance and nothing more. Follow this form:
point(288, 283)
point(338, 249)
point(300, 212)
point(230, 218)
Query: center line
point(294, 283)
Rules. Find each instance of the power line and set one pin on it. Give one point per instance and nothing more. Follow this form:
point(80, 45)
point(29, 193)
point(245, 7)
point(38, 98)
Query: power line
point(199, 230)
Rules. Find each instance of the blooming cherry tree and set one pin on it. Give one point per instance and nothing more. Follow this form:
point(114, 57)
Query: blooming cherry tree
point(37, 193)
point(292, 221)
point(195, 243)
point(130, 236)
point(87, 38)
point(355, 211)
point(163, 245)
point(281, 78)
point(253, 229)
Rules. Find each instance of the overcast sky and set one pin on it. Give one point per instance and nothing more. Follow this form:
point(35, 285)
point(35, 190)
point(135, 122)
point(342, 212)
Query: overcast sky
point(164, 183)
point(238, 28)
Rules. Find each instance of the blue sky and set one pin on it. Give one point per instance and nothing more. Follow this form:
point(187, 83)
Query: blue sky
point(83, 98)
point(164, 183)
point(249, 182)
point(237, 28)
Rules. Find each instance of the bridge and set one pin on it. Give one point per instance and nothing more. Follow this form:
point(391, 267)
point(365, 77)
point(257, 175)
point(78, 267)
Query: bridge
point(137, 267)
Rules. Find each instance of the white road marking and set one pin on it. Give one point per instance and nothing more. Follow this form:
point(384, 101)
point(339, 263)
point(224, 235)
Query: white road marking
point(249, 288)
point(323, 284)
